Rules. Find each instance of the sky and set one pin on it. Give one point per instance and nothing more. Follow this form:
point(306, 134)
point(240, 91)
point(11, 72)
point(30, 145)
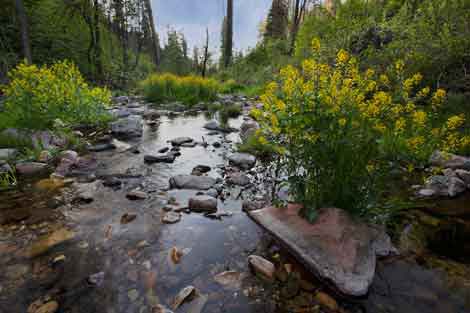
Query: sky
point(193, 16)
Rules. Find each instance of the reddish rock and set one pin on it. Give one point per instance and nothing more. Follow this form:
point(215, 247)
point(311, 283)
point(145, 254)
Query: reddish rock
point(337, 248)
point(31, 168)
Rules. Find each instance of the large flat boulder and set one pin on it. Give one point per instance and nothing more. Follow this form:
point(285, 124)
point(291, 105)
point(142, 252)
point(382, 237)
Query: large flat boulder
point(192, 182)
point(338, 249)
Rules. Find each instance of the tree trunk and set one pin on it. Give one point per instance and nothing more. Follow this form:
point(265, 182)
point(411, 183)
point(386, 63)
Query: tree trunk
point(97, 41)
point(23, 19)
point(229, 34)
point(206, 54)
point(299, 11)
point(153, 33)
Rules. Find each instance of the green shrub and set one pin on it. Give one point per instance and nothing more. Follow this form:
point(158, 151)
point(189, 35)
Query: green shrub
point(231, 86)
point(37, 96)
point(344, 130)
point(7, 180)
point(190, 90)
point(257, 146)
point(229, 111)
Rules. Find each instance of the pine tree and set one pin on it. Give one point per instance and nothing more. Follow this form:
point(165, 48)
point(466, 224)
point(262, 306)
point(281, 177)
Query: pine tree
point(276, 26)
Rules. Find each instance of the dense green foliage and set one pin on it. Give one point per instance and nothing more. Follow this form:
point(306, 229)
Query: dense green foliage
point(36, 97)
point(431, 36)
point(61, 30)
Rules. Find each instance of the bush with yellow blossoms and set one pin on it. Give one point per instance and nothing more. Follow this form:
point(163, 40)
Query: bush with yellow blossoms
point(188, 89)
point(339, 129)
point(37, 96)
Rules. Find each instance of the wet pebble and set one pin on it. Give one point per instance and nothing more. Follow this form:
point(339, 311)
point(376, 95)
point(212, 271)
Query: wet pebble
point(96, 279)
point(136, 195)
point(48, 307)
point(182, 296)
point(261, 266)
point(171, 217)
point(127, 218)
point(326, 300)
point(133, 295)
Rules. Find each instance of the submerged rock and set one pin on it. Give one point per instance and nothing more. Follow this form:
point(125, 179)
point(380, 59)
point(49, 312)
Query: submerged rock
point(192, 182)
point(230, 279)
point(182, 296)
point(203, 203)
point(171, 218)
point(86, 192)
point(404, 286)
point(128, 218)
point(216, 126)
point(337, 248)
point(200, 169)
point(166, 158)
point(43, 244)
point(242, 160)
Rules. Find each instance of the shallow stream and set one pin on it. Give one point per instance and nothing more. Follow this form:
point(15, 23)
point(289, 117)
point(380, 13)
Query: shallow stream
point(82, 256)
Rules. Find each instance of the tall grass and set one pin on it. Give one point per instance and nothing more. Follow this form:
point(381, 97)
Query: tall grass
point(190, 90)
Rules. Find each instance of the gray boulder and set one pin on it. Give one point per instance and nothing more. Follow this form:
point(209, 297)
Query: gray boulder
point(6, 154)
point(204, 203)
point(129, 127)
point(239, 179)
point(192, 182)
point(443, 186)
point(165, 158)
point(242, 160)
point(248, 129)
point(181, 140)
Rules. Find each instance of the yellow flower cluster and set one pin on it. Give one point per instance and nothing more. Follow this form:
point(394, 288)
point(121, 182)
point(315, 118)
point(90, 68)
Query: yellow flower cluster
point(44, 93)
point(341, 102)
point(162, 87)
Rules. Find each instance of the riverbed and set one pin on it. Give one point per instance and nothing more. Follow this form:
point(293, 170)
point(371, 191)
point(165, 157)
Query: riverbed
point(82, 256)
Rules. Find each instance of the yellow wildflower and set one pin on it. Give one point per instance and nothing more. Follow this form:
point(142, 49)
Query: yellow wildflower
point(316, 45)
point(342, 57)
point(455, 121)
point(400, 125)
point(419, 118)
